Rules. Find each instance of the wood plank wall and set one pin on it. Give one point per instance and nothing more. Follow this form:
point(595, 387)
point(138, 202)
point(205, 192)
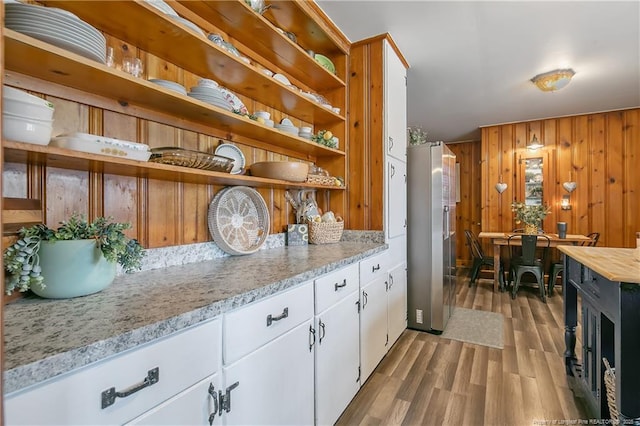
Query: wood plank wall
point(600, 152)
point(468, 212)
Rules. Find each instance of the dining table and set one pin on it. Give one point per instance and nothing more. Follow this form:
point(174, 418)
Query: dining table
point(500, 239)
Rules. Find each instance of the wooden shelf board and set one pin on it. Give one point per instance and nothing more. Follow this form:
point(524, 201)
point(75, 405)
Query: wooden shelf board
point(243, 24)
point(18, 152)
point(162, 36)
point(32, 57)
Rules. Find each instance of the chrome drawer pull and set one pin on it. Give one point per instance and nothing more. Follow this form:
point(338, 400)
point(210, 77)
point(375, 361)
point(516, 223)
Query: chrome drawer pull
point(344, 284)
point(271, 318)
point(109, 396)
point(312, 338)
point(322, 330)
point(214, 397)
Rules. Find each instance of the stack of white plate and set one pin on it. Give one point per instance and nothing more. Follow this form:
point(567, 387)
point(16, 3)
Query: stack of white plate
point(26, 118)
point(211, 95)
point(171, 85)
point(162, 6)
point(57, 27)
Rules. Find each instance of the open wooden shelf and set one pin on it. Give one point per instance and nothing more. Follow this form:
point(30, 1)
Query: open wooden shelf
point(158, 34)
point(50, 156)
point(238, 20)
point(32, 57)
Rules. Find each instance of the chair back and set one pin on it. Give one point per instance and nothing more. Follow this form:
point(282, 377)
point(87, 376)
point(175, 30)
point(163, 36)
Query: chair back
point(593, 239)
point(474, 244)
point(529, 245)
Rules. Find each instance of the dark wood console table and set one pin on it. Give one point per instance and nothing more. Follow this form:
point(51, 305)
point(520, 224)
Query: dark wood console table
point(608, 283)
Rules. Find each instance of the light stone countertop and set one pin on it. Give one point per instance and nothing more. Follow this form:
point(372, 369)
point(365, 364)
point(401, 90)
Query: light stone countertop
point(45, 338)
point(615, 264)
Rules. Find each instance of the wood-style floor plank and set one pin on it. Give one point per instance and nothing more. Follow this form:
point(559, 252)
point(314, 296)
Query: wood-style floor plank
point(426, 379)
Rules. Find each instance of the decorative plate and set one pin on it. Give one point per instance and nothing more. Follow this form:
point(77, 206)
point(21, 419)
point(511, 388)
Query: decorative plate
point(325, 62)
point(234, 101)
point(239, 220)
point(232, 151)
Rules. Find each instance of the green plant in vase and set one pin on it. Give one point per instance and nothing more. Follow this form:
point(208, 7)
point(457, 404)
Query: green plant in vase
point(102, 242)
point(530, 216)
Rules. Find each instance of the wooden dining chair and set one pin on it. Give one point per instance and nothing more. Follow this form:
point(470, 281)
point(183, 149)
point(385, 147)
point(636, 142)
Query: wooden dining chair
point(557, 268)
point(528, 261)
point(480, 259)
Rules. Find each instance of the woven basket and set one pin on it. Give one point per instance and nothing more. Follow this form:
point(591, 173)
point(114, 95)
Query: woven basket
point(321, 180)
point(610, 385)
point(325, 232)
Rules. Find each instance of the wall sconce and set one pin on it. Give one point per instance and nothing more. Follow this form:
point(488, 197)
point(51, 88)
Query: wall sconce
point(534, 143)
point(553, 80)
point(565, 204)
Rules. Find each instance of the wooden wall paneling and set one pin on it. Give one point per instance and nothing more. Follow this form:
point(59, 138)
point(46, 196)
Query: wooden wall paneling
point(598, 185)
point(121, 193)
point(491, 219)
point(2, 246)
point(377, 166)
point(631, 154)
point(357, 159)
point(613, 234)
point(550, 188)
point(582, 167)
point(505, 170)
point(564, 170)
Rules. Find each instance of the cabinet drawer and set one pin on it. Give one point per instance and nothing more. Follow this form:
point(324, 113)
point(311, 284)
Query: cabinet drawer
point(334, 286)
point(182, 359)
point(250, 327)
point(373, 267)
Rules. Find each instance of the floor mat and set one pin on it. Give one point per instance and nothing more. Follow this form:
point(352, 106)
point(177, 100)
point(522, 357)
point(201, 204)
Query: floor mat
point(474, 326)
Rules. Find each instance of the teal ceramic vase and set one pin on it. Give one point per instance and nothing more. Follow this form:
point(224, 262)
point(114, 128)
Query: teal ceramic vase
point(73, 268)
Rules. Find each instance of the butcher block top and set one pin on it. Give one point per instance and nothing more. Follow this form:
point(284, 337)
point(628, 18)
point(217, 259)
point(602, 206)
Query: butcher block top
point(615, 264)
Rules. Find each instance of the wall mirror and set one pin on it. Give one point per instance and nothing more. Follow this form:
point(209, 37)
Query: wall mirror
point(533, 180)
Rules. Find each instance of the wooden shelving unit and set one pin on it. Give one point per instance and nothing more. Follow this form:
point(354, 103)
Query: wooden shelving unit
point(18, 152)
point(164, 37)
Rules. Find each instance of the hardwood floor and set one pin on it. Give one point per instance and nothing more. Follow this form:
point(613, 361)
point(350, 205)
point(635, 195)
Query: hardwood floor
point(429, 380)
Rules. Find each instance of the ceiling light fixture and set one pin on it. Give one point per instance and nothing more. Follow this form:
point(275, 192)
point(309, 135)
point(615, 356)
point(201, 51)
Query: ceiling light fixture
point(553, 80)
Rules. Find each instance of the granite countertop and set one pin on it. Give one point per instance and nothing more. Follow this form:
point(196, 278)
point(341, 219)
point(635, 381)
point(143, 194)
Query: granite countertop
point(615, 264)
point(45, 338)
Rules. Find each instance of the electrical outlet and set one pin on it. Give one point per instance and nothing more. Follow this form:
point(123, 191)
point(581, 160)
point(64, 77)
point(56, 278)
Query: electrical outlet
point(419, 319)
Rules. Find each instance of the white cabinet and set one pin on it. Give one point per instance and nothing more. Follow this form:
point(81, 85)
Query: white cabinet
point(397, 198)
point(197, 405)
point(395, 113)
point(373, 325)
point(123, 387)
point(275, 382)
point(337, 357)
point(397, 302)
point(269, 360)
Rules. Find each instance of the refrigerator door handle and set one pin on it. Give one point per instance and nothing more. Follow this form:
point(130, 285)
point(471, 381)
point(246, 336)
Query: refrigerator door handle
point(445, 224)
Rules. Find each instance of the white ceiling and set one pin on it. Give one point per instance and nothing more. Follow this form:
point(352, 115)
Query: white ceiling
point(472, 61)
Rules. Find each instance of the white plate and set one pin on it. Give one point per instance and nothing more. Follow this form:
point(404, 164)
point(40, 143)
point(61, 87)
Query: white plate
point(189, 24)
point(171, 85)
point(282, 79)
point(232, 151)
point(233, 100)
point(162, 7)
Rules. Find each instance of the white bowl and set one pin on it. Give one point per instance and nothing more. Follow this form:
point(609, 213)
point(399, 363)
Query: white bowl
point(22, 129)
point(205, 82)
point(9, 92)
point(305, 129)
point(264, 114)
point(23, 109)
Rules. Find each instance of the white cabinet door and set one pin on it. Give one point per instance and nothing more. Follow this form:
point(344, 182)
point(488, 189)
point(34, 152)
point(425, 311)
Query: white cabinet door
point(337, 358)
point(373, 325)
point(197, 405)
point(397, 302)
point(395, 104)
point(397, 197)
point(275, 382)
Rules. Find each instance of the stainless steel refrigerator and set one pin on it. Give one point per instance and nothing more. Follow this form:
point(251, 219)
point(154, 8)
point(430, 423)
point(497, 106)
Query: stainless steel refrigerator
point(431, 236)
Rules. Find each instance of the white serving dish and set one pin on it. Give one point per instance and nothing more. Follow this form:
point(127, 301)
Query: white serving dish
point(27, 110)
point(22, 96)
point(104, 146)
point(21, 129)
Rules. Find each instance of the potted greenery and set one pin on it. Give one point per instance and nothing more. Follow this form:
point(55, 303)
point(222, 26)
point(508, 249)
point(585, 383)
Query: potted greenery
point(531, 215)
point(77, 259)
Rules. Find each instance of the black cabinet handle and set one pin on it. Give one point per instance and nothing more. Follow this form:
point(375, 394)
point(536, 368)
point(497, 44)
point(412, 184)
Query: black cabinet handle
point(322, 331)
point(344, 284)
point(375, 268)
point(312, 338)
point(366, 298)
point(109, 396)
point(283, 315)
point(214, 397)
